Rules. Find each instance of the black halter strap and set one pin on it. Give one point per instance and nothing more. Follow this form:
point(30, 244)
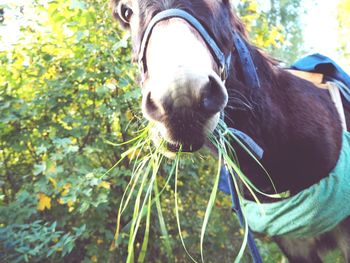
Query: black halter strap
point(247, 64)
point(248, 68)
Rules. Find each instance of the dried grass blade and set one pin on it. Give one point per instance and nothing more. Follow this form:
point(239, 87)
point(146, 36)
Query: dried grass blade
point(177, 209)
point(156, 161)
point(143, 251)
point(162, 224)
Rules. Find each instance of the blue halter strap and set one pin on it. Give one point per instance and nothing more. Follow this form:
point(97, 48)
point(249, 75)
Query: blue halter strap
point(227, 186)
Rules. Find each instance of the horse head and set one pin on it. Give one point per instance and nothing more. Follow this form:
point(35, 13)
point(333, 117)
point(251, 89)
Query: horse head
point(183, 87)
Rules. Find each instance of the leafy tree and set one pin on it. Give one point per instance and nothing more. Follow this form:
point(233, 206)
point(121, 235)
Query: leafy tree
point(65, 89)
point(277, 30)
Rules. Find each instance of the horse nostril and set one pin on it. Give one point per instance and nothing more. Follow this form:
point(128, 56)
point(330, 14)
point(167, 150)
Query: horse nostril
point(213, 97)
point(151, 107)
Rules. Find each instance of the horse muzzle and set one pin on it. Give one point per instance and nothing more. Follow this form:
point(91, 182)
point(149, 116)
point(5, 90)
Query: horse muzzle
point(185, 105)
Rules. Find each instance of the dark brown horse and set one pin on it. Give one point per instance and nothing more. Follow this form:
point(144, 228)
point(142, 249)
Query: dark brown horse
point(296, 123)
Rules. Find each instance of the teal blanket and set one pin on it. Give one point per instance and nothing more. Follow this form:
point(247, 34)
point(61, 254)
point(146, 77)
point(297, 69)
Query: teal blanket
point(313, 211)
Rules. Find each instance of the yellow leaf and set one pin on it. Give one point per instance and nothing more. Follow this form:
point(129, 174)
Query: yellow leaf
point(259, 40)
point(52, 168)
point(200, 213)
point(65, 189)
point(134, 154)
point(253, 7)
point(184, 233)
point(44, 202)
point(94, 259)
point(53, 181)
point(67, 186)
point(129, 115)
point(105, 185)
point(111, 81)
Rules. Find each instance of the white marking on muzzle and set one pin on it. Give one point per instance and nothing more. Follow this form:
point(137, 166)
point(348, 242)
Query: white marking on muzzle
point(179, 64)
point(175, 44)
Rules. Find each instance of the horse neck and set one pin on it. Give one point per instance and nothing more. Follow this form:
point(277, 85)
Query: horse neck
point(295, 123)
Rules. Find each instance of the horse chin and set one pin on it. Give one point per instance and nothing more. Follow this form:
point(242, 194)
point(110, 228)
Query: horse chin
point(180, 147)
point(170, 148)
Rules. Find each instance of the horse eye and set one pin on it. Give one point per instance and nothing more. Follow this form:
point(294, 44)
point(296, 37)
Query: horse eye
point(125, 13)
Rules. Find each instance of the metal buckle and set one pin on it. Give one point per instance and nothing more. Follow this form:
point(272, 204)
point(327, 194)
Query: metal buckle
point(223, 73)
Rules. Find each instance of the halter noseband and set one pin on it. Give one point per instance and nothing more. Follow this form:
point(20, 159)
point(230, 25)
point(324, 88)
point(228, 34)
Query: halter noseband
point(248, 68)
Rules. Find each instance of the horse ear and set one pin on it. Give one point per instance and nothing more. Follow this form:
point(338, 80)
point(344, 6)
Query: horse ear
point(236, 22)
point(113, 5)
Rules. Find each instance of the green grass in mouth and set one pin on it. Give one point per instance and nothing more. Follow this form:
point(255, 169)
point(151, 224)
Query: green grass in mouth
point(142, 191)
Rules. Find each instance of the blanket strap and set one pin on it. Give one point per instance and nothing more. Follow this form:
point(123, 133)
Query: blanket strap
point(336, 97)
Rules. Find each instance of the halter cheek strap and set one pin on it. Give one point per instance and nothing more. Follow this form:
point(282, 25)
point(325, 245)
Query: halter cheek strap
point(248, 68)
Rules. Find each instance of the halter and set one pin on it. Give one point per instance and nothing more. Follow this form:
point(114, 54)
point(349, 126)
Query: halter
point(248, 68)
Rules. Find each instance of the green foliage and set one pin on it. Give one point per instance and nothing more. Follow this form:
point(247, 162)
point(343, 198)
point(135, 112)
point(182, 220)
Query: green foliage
point(36, 241)
point(67, 90)
point(277, 30)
